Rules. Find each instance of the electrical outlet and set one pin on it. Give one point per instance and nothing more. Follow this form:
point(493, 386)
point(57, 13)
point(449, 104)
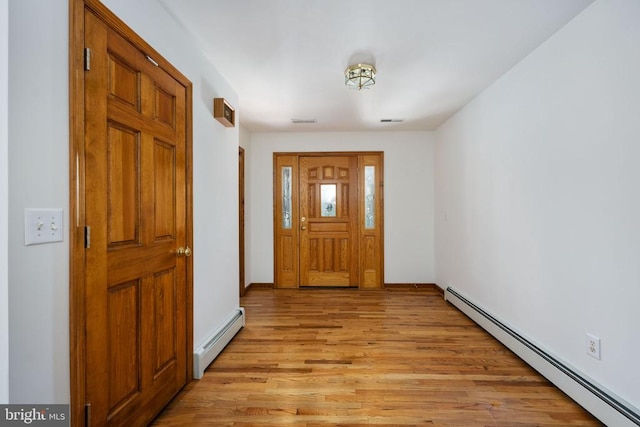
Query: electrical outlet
point(593, 346)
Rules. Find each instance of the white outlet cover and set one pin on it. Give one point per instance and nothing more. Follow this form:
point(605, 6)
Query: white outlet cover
point(593, 346)
point(42, 226)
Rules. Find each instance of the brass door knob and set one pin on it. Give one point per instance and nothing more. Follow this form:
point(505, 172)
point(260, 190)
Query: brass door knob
point(181, 251)
point(304, 227)
point(187, 251)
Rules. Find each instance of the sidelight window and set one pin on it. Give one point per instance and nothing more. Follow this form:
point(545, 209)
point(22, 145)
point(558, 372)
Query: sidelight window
point(286, 197)
point(369, 197)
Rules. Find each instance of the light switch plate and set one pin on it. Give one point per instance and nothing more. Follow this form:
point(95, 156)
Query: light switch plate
point(42, 226)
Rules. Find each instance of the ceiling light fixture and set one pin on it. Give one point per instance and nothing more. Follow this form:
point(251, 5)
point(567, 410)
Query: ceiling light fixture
point(360, 76)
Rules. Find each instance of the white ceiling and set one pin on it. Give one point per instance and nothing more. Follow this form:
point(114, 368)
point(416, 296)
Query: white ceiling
point(286, 58)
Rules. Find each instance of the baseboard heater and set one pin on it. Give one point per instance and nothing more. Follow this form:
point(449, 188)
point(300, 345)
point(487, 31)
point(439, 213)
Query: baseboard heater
point(602, 403)
point(216, 342)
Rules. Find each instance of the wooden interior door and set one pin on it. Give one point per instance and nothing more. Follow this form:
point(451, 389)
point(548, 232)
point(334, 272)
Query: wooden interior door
point(136, 208)
point(329, 221)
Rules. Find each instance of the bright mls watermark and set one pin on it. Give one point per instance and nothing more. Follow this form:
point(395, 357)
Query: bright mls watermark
point(36, 415)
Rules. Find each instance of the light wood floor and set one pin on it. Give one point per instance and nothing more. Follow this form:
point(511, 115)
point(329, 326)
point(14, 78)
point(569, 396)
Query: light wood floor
point(347, 357)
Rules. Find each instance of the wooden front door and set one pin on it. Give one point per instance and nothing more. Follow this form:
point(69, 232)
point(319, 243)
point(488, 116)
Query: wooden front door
point(136, 210)
point(328, 220)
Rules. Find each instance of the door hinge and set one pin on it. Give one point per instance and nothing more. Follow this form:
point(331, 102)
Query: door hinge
point(87, 59)
point(87, 414)
point(87, 237)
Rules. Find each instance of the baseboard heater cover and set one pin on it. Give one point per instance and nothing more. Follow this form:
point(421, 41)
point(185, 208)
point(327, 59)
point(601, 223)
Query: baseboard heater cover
point(602, 403)
point(216, 342)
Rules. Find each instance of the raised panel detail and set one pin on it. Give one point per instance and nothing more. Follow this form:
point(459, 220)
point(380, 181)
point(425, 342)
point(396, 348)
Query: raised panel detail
point(328, 279)
point(329, 255)
point(165, 190)
point(313, 173)
point(370, 279)
point(124, 82)
point(328, 172)
point(343, 254)
point(326, 263)
point(343, 204)
point(369, 256)
point(164, 107)
point(164, 319)
point(343, 174)
point(314, 255)
point(123, 186)
point(328, 227)
point(287, 251)
point(313, 207)
point(123, 331)
point(369, 261)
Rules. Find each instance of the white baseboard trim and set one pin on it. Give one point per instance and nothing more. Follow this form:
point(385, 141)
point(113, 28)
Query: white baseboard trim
point(216, 342)
point(599, 401)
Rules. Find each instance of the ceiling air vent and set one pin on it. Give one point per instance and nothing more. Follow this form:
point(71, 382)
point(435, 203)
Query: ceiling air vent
point(391, 120)
point(303, 121)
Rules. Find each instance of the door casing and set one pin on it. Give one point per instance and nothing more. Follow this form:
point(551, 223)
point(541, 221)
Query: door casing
point(241, 219)
point(370, 245)
point(77, 311)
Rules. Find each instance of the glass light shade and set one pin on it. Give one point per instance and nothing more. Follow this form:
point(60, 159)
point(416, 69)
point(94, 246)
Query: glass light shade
point(360, 76)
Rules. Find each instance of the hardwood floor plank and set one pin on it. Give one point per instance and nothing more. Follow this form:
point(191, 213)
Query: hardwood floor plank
point(402, 357)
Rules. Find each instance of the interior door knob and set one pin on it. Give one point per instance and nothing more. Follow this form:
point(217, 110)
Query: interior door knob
point(181, 251)
point(187, 251)
point(304, 227)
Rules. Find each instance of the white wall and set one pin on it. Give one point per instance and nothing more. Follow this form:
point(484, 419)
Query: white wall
point(4, 201)
point(408, 197)
point(38, 177)
point(38, 275)
point(537, 197)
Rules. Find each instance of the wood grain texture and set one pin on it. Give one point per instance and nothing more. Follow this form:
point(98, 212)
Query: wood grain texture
point(398, 357)
point(172, 120)
point(329, 234)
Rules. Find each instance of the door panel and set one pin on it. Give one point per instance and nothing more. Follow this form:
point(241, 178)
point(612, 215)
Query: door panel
point(136, 198)
point(371, 222)
point(124, 329)
point(328, 221)
point(286, 222)
point(123, 150)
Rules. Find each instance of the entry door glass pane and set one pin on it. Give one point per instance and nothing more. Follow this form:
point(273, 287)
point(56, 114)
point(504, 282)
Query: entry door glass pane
point(369, 197)
point(328, 200)
point(286, 197)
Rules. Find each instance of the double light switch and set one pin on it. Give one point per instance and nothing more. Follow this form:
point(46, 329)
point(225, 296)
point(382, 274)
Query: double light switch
point(42, 226)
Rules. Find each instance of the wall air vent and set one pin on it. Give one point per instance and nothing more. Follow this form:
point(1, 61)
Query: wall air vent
point(391, 120)
point(303, 121)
